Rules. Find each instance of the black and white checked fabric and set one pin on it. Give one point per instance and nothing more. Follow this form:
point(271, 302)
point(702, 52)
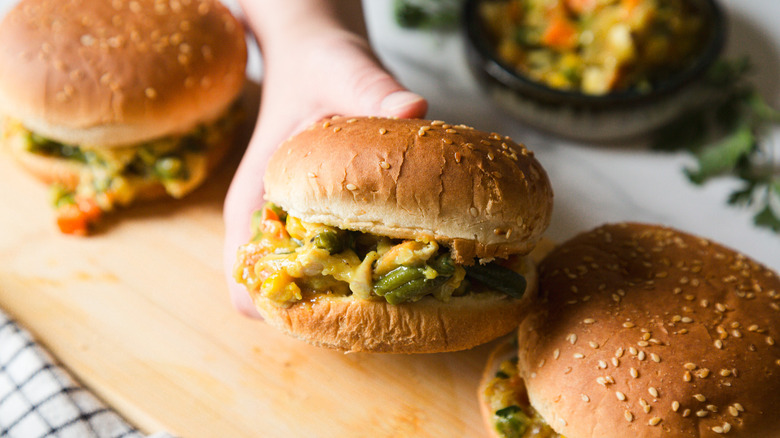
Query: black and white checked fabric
point(38, 398)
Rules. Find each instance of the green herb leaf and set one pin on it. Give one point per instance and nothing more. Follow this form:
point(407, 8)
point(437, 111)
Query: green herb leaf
point(723, 156)
point(767, 218)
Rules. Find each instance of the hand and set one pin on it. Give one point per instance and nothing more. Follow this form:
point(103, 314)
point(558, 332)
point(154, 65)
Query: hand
point(312, 71)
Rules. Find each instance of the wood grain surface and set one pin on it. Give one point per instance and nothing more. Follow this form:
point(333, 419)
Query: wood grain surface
point(140, 314)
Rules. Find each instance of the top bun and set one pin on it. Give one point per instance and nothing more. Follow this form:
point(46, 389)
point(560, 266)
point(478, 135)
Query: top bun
point(482, 194)
point(118, 72)
point(645, 331)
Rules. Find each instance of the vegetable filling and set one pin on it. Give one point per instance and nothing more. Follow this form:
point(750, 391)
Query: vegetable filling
point(289, 260)
point(112, 177)
point(513, 415)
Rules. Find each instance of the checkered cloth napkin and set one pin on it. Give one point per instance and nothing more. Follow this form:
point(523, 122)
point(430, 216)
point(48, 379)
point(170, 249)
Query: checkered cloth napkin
point(38, 398)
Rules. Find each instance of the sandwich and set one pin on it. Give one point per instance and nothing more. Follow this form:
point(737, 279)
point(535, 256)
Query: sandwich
point(641, 331)
point(116, 101)
point(396, 235)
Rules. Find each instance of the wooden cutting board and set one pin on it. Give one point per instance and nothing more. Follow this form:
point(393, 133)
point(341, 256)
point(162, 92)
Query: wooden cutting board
point(140, 314)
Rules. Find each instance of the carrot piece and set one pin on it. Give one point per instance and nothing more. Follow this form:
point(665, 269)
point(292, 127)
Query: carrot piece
point(560, 33)
point(71, 220)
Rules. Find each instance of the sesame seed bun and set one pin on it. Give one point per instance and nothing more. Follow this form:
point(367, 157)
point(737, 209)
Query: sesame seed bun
point(646, 331)
point(481, 194)
point(116, 73)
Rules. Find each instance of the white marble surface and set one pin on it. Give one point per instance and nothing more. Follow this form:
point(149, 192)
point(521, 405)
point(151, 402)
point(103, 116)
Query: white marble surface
point(595, 184)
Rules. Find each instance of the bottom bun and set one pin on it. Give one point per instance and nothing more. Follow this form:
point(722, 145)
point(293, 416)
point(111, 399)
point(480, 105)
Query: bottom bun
point(426, 326)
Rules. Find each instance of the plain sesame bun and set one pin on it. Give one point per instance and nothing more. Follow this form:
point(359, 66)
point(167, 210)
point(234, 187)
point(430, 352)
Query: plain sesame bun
point(480, 193)
point(645, 331)
point(118, 72)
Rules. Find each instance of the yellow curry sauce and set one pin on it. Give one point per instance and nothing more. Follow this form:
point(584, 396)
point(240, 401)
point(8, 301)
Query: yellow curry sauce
point(595, 46)
point(512, 414)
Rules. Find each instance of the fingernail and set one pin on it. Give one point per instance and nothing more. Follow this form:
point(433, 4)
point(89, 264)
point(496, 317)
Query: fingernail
point(395, 102)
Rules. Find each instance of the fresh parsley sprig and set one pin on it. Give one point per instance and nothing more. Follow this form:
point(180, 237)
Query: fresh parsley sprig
point(427, 14)
point(727, 136)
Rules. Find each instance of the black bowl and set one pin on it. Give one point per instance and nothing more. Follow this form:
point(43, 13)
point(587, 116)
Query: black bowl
point(615, 116)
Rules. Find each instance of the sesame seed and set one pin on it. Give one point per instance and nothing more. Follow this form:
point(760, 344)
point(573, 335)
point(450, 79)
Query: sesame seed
point(437, 123)
point(686, 319)
point(753, 328)
point(572, 338)
point(602, 364)
point(642, 343)
point(448, 141)
point(473, 211)
point(628, 324)
point(541, 363)
point(634, 373)
point(578, 355)
point(700, 397)
point(593, 344)
point(451, 131)
point(619, 352)
point(703, 373)
point(690, 366)
point(632, 350)
point(585, 398)
point(687, 376)
point(620, 396)
point(384, 165)
point(556, 353)
point(609, 379)
point(641, 355)
point(615, 361)
point(686, 413)
point(311, 175)
point(717, 429)
point(653, 391)
point(458, 157)
point(628, 416)
point(351, 186)
point(718, 344)
point(712, 408)
point(337, 129)
point(702, 413)
point(326, 124)
point(675, 405)
point(739, 407)
point(601, 381)
point(770, 340)
point(726, 427)
point(725, 373)
point(490, 156)
point(654, 421)
point(733, 411)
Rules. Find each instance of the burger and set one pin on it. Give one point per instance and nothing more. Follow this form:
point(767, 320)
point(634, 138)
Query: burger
point(116, 101)
point(396, 235)
point(641, 331)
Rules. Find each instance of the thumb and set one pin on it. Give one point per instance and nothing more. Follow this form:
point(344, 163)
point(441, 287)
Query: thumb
point(367, 87)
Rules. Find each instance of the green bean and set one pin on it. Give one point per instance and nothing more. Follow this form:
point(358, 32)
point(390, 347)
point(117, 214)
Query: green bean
point(414, 290)
point(169, 167)
point(443, 264)
point(498, 277)
point(330, 241)
point(397, 278)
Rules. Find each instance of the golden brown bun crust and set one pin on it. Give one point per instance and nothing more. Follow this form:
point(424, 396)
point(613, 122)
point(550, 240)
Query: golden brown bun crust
point(695, 322)
point(113, 73)
point(426, 326)
point(482, 194)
